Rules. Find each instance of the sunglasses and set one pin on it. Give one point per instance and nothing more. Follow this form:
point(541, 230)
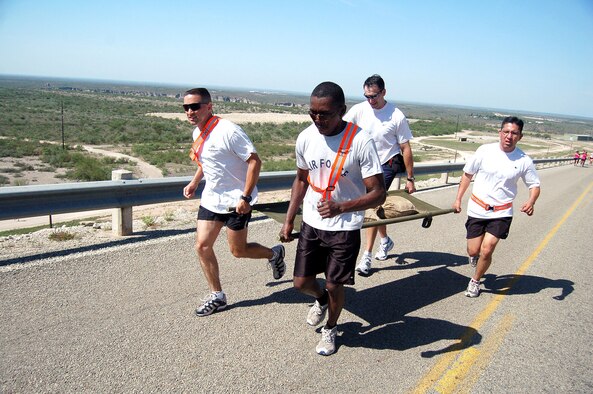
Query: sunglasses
point(193, 106)
point(372, 96)
point(322, 115)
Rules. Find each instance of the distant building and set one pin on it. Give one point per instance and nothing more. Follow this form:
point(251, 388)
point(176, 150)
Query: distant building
point(584, 138)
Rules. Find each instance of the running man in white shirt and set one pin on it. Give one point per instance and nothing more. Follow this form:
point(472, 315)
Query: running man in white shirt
point(228, 162)
point(389, 128)
point(497, 168)
point(338, 177)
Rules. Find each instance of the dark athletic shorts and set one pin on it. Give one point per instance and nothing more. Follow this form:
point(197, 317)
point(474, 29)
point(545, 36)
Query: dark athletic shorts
point(331, 252)
point(498, 227)
point(395, 165)
point(232, 220)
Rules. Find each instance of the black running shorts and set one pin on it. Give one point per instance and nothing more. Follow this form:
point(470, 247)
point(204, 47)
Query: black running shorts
point(232, 220)
point(331, 252)
point(498, 227)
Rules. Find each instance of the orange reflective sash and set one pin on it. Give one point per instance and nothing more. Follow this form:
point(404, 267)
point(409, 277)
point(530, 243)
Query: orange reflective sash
point(490, 207)
point(341, 154)
point(196, 148)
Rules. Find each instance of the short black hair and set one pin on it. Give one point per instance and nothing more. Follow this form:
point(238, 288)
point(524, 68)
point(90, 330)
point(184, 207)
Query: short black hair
point(513, 120)
point(375, 79)
point(202, 92)
point(331, 90)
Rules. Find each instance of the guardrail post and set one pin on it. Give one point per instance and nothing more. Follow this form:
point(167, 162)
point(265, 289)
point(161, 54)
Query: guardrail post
point(121, 219)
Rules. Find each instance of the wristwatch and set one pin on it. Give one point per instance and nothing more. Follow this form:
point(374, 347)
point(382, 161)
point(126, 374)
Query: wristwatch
point(411, 179)
point(246, 198)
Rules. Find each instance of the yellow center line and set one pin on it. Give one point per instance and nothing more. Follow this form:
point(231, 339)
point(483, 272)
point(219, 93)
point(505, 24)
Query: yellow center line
point(466, 371)
point(446, 361)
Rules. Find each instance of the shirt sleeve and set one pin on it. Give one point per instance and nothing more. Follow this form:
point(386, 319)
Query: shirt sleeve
point(351, 115)
point(298, 152)
point(473, 164)
point(530, 177)
point(404, 133)
point(369, 159)
point(241, 144)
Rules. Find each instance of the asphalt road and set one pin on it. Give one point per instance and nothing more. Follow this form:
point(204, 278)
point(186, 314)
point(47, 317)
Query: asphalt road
point(120, 319)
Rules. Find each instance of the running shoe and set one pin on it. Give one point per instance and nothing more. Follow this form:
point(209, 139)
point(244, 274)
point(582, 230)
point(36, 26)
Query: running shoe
point(327, 344)
point(473, 260)
point(211, 304)
point(316, 314)
point(384, 248)
point(277, 262)
point(473, 289)
point(364, 267)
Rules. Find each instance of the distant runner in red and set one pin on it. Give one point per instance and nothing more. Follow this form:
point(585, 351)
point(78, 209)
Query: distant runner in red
point(497, 169)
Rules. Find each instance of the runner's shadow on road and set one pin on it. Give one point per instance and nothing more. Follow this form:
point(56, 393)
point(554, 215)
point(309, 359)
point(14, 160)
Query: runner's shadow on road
point(513, 284)
point(419, 260)
point(385, 308)
point(408, 333)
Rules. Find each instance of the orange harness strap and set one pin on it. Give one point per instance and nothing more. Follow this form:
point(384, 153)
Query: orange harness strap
point(341, 154)
point(196, 148)
point(490, 207)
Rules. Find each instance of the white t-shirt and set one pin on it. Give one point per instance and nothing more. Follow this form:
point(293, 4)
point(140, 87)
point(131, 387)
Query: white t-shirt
point(496, 176)
point(316, 153)
point(387, 126)
point(223, 158)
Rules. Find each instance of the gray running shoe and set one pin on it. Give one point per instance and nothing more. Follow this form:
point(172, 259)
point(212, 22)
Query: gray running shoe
point(211, 304)
point(364, 266)
point(327, 344)
point(473, 260)
point(277, 262)
point(316, 314)
point(384, 248)
point(473, 289)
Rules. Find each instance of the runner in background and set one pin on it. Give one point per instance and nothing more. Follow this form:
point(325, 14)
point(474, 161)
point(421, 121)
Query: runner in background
point(389, 128)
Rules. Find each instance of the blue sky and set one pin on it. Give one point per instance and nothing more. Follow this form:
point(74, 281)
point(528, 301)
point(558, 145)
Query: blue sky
point(516, 55)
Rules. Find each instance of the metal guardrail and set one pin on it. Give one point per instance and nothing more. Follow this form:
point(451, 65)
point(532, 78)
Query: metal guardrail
point(28, 201)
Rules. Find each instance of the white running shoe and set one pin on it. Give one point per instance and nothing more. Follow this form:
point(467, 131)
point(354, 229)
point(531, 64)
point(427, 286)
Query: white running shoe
point(384, 248)
point(327, 344)
point(473, 289)
point(364, 266)
point(473, 260)
point(316, 313)
point(211, 304)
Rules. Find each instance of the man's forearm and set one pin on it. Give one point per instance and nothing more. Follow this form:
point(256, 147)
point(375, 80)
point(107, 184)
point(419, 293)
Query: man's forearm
point(253, 169)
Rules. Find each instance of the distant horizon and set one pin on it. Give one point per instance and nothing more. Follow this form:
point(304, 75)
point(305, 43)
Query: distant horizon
point(305, 95)
point(531, 55)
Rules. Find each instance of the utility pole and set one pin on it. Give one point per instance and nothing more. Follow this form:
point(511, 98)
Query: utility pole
point(63, 143)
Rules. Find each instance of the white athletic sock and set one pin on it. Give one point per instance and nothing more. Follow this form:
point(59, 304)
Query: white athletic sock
point(385, 240)
point(219, 294)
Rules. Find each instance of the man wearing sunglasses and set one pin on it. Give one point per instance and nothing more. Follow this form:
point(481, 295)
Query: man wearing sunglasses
point(338, 177)
point(389, 128)
point(230, 166)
